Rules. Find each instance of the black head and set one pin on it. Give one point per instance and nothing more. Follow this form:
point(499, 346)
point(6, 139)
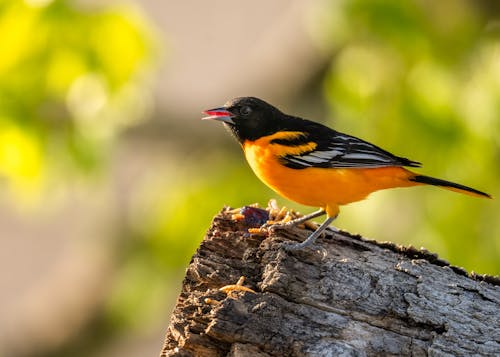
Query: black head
point(249, 118)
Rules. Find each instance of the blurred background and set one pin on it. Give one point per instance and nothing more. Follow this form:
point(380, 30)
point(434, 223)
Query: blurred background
point(108, 179)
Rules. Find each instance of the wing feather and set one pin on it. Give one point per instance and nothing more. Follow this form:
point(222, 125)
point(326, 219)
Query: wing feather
point(337, 150)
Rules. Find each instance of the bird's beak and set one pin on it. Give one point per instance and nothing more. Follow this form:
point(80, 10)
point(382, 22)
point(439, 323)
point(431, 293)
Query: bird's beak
point(221, 114)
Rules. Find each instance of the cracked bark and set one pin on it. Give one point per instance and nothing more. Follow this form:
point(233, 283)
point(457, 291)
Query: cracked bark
point(352, 297)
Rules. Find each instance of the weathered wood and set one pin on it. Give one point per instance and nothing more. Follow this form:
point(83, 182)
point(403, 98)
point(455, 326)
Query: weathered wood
point(352, 297)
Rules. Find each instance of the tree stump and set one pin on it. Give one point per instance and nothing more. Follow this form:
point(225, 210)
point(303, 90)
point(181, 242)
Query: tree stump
point(347, 296)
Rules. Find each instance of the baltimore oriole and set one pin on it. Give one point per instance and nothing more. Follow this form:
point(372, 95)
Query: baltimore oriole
point(314, 165)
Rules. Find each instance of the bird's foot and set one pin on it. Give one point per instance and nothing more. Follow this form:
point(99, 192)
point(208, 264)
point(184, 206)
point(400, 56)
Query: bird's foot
point(289, 246)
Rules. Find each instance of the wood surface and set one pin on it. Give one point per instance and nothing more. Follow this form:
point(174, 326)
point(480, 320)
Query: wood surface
point(346, 296)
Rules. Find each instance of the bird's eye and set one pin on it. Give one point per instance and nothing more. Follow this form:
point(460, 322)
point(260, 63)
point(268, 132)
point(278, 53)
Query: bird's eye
point(245, 110)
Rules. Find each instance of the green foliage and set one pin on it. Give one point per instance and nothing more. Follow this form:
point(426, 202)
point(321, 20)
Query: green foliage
point(72, 78)
point(423, 82)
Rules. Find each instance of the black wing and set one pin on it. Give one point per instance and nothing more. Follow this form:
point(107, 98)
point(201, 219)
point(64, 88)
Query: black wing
point(337, 150)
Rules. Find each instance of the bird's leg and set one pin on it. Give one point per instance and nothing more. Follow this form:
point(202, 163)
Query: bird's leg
point(297, 221)
point(312, 237)
point(305, 218)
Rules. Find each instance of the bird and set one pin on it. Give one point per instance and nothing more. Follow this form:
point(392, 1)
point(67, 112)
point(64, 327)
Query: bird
point(314, 165)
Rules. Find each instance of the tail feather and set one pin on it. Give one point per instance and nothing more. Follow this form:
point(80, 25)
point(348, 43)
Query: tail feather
point(448, 185)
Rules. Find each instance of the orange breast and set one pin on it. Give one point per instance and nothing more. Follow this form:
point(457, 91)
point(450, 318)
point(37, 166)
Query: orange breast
point(319, 187)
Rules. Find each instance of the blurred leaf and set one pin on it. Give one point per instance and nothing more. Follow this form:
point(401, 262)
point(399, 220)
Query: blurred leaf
point(66, 73)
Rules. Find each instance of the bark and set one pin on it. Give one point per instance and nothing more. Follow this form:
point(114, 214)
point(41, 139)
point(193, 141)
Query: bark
point(347, 296)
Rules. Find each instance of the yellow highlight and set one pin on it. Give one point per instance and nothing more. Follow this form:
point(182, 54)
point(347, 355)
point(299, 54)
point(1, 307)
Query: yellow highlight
point(20, 158)
point(123, 34)
point(63, 69)
point(16, 26)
